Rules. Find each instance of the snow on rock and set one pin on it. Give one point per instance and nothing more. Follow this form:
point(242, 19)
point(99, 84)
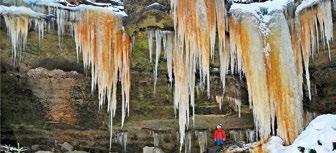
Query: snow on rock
point(157, 6)
point(20, 11)
point(319, 135)
point(262, 11)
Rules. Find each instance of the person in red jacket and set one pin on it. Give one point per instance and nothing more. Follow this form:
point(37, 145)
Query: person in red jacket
point(219, 135)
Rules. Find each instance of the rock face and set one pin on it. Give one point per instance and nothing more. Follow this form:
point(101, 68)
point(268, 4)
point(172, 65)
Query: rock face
point(53, 103)
point(141, 17)
point(46, 99)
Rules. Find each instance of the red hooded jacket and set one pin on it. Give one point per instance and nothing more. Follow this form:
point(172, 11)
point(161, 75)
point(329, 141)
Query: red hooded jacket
point(219, 134)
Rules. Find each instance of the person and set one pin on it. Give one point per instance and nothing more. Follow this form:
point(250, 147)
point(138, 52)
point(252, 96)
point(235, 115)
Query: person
point(219, 136)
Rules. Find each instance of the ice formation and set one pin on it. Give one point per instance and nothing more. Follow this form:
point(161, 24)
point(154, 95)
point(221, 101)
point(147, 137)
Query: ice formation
point(250, 136)
point(163, 40)
point(122, 140)
point(195, 35)
point(156, 138)
point(17, 21)
point(219, 100)
point(187, 144)
point(262, 37)
point(158, 46)
point(315, 18)
point(243, 135)
point(99, 36)
point(237, 103)
point(168, 49)
point(150, 44)
point(106, 50)
point(274, 90)
point(320, 135)
point(202, 140)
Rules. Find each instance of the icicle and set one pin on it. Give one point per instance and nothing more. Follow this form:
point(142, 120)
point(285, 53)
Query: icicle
point(122, 140)
point(250, 136)
point(39, 27)
point(156, 138)
point(106, 50)
point(195, 33)
point(223, 49)
point(169, 54)
point(316, 24)
point(17, 20)
point(187, 145)
point(150, 44)
point(60, 20)
point(271, 81)
point(158, 41)
point(202, 138)
point(237, 103)
point(219, 100)
point(17, 30)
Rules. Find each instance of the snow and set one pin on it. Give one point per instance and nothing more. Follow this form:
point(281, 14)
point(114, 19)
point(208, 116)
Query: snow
point(157, 6)
point(306, 4)
point(263, 11)
point(20, 11)
point(322, 129)
point(116, 10)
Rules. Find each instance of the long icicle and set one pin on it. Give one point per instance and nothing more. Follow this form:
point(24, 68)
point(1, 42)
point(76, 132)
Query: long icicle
point(106, 49)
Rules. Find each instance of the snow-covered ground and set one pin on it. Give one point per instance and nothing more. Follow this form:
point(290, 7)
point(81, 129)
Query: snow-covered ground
point(319, 135)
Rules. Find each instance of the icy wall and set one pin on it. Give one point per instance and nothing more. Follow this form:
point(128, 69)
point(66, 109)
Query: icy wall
point(99, 36)
point(266, 45)
point(262, 42)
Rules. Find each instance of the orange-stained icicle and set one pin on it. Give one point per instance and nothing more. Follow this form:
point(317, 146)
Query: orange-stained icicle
point(195, 36)
point(272, 84)
point(315, 26)
point(106, 50)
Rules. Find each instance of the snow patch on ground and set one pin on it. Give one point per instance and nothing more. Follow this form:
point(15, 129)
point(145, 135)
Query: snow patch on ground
point(320, 135)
